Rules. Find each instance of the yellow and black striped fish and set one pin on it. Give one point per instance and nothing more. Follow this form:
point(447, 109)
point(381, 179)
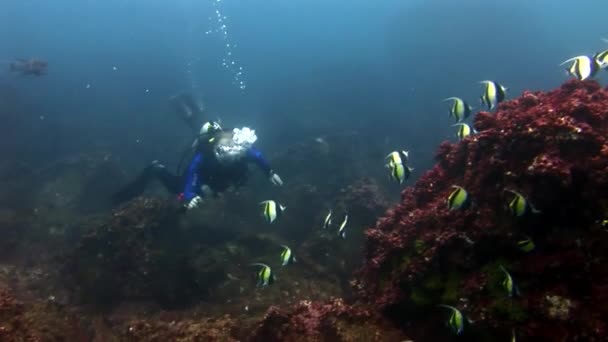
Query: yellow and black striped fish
point(456, 320)
point(459, 199)
point(399, 172)
point(582, 67)
point(508, 284)
point(493, 94)
point(464, 130)
point(287, 256)
point(265, 275)
point(526, 245)
point(460, 109)
point(342, 229)
point(519, 206)
point(601, 59)
point(271, 210)
point(398, 157)
point(327, 221)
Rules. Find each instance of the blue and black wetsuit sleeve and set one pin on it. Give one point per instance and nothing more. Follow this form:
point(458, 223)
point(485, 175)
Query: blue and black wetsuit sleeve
point(256, 156)
point(192, 178)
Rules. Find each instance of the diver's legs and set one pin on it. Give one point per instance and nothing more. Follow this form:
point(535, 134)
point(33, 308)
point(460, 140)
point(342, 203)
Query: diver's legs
point(171, 182)
point(152, 171)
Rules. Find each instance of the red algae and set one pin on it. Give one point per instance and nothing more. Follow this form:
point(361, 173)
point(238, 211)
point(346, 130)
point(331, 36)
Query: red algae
point(332, 320)
point(39, 321)
point(552, 148)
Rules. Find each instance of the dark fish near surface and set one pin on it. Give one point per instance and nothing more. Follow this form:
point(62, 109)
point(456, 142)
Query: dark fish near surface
point(29, 67)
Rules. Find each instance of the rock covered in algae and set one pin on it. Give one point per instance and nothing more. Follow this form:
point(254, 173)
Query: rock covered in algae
point(332, 320)
point(139, 252)
point(39, 321)
point(210, 329)
point(551, 147)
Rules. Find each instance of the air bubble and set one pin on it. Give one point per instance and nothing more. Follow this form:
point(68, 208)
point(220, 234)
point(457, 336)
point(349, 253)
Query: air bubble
point(219, 21)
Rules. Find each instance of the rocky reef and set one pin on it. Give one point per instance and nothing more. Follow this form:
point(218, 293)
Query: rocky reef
point(163, 276)
point(39, 321)
point(332, 320)
point(134, 254)
point(552, 148)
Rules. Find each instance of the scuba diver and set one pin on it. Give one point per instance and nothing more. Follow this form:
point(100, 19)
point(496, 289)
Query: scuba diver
point(220, 160)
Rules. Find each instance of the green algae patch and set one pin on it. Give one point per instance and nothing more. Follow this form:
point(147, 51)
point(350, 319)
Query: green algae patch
point(433, 282)
point(509, 309)
point(451, 288)
point(419, 246)
point(421, 297)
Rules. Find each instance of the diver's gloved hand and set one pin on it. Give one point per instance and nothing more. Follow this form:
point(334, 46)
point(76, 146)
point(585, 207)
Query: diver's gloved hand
point(275, 179)
point(194, 202)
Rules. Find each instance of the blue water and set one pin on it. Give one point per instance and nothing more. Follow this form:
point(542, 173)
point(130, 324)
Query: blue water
point(310, 68)
point(330, 86)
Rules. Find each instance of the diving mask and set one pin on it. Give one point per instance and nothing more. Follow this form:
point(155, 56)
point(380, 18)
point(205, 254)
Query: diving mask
point(210, 126)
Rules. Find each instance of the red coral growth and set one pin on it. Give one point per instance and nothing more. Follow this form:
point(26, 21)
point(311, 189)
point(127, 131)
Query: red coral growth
point(11, 312)
point(549, 146)
point(324, 321)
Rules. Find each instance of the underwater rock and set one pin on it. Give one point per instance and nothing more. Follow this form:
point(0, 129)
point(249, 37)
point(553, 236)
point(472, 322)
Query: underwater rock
point(83, 183)
point(143, 251)
point(40, 321)
point(139, 252)
point(364, 199)
point(332, 320)
point(210, 329)
point(10, 226)
point(551, 147)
